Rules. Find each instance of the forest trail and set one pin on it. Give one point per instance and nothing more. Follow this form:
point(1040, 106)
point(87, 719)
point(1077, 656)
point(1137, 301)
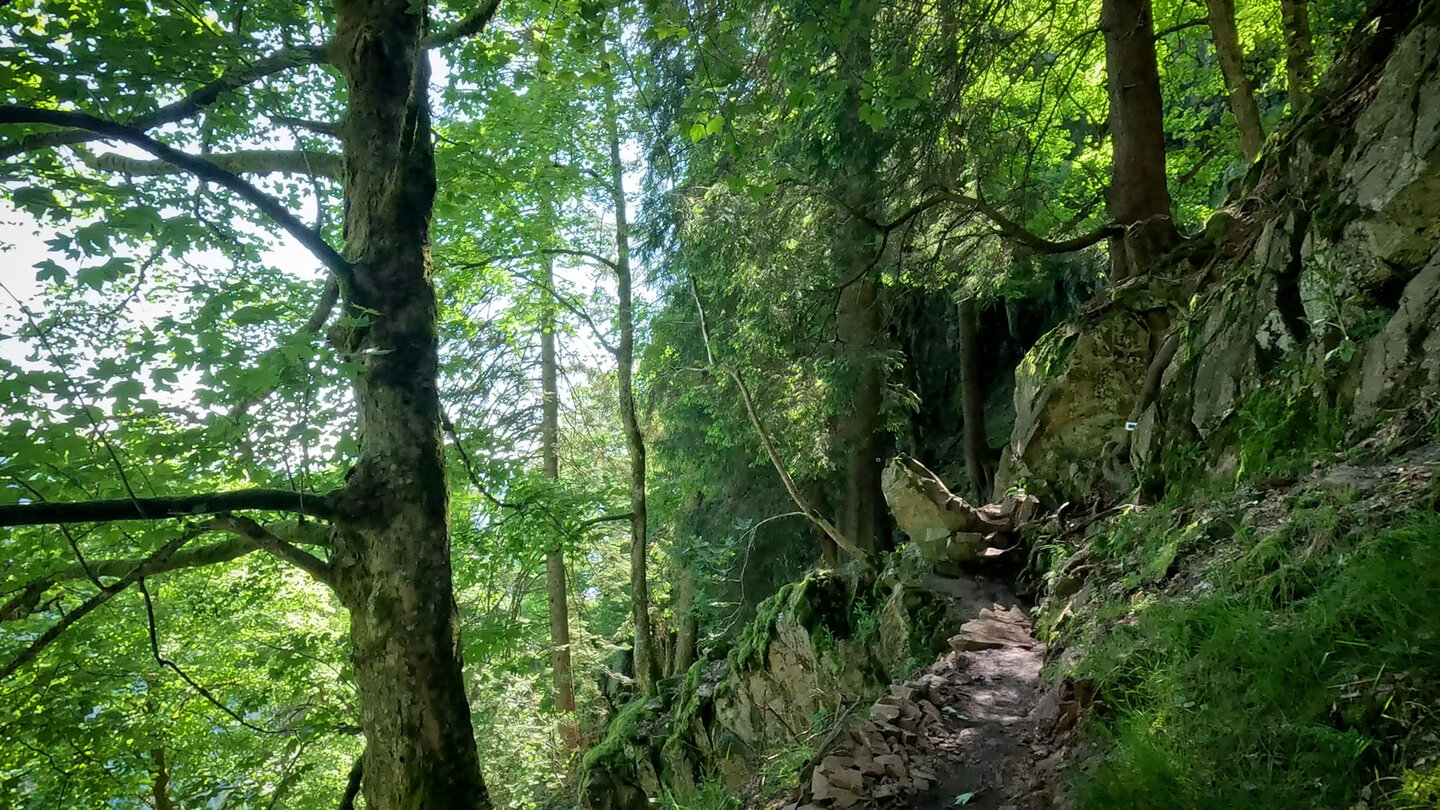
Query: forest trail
point(958, 734)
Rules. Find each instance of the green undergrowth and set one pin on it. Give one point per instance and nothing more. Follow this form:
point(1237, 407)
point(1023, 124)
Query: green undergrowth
point(1245, 657)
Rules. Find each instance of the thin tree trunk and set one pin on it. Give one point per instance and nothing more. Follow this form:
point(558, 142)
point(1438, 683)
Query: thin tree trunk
point(688, 627)
point(161, 789)
point(972, 401)
point(1232, 67)
point(556, 582)
point(1139, 199)
point(1299, 51)
point(391, 553)
point(634, 441)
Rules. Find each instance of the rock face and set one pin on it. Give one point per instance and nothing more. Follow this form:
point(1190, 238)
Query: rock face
point(941, 525)
point(1321, 280)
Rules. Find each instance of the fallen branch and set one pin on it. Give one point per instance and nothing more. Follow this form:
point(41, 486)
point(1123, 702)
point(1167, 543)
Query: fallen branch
point(813, 515)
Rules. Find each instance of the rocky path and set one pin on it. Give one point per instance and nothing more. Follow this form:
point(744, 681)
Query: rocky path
point(958, 734)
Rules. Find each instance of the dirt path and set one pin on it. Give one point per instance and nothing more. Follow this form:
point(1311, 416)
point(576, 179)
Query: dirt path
point(987, 739)
point(959, 734)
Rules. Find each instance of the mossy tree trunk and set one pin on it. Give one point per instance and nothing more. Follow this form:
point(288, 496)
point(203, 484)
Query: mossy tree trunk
point(863, 517)
point(392, 543)
point(634, 439)
point(1299, 51)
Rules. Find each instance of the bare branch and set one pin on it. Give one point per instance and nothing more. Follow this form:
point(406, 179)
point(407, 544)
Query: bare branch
point(330, 128)
point(329, 296)
point(248, 161)
point(269, 500)
point(279, 61)
point(574, 309)
point(194, 684)
point(1007, 227)
point(196, 165)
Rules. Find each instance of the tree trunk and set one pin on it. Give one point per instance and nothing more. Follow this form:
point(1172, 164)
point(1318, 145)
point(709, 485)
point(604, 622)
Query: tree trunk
point(972, 401)
point(862, 509)
point(1232, 66)
point(688, 627)
point(556, 582)
point(1139, 199)
point(161, 789)
point(863, 517)
point(634, 441)
point(1299, 51)
point(391, 552)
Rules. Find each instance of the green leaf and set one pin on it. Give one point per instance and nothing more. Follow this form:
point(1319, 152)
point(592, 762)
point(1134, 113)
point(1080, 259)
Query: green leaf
point(964, 798)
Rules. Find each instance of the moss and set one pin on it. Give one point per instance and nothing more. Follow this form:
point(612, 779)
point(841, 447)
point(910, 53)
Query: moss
point(819, 600)
point(688, 704)
point(625, 728)
point(1048, 354)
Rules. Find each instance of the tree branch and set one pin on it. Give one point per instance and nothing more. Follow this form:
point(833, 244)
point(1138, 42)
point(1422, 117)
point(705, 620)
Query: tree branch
point(1007, 227)
point(248, 161)
point(352, 783)
point(263, 539)
point(196, 165)
point(28, 598)
point(269, 500)
point(331, 128)
point(329, 296)
point(202, 97)
point(146, 566)
point(472, 24)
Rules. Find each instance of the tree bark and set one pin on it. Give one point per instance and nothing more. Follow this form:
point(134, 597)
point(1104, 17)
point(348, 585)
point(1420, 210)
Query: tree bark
point(160, 791)
point(862, 514)
point(556, 581)
point(1299, 51)
point(391, 553)
point(1232, 66)
point(687, 626)
point(634, 440)
point(972, 401)
point(863, 518)
point(1139, 200)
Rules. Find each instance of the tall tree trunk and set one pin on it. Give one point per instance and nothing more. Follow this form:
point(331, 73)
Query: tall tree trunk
point(1232, 66)
point(634, 441)
point(863, 517)
point(1299, 51)
point(972, 401)
point(862, 512)
point(392, 544)
point(1139, 199)
point(556, 582)
point(688, 627)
